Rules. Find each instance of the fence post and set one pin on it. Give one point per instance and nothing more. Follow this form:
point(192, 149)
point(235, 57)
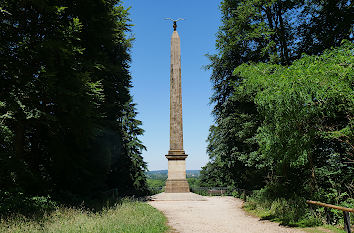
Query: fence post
point(244, 196)
point(346, 221)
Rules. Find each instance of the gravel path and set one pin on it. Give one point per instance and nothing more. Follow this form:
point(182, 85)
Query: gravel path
point(194, 213)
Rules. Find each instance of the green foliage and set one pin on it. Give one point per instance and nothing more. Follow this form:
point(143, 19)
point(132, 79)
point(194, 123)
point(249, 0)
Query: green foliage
point(282, 122)
point(251, 31)
point(156, 183)
point(193, 182)
point(304, 107)
point(68, 124)
point(324, 24)
point(258, 31)
point(291, 212)
point(32, 207)
point(302, 104)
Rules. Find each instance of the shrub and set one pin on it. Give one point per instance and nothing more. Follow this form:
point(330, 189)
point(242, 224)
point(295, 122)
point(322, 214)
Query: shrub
point(292, 212)
point(19, 204)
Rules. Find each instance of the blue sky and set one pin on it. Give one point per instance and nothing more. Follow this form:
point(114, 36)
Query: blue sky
point(151, 75)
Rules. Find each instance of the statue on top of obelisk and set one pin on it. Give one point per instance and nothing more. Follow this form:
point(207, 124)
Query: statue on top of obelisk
point(174, 22)
point(176, 181)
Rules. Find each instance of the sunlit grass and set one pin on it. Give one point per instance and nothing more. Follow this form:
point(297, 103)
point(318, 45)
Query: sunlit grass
point(126, 217)
point(263, 213)
point(325, 229)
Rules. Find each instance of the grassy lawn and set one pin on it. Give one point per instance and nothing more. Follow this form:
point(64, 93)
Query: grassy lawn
point(129, 216)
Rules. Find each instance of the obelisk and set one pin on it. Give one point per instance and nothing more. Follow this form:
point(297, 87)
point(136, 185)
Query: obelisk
point(176, 181)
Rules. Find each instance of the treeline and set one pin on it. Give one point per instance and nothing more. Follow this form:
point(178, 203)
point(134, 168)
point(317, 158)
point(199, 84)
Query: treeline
point(283, 100)
point(68, 124)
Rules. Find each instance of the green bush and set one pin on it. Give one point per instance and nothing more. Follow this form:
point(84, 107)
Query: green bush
point(292, 211)
point(19, 204)
point(235, 194)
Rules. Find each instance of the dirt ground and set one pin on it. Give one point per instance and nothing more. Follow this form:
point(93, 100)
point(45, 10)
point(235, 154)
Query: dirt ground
point(194, 213)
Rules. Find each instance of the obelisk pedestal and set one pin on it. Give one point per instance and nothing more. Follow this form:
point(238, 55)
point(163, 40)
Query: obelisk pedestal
point(176, 181)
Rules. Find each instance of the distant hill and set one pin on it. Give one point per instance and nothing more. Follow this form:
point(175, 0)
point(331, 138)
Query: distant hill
point(162, 174)
point(193, 173)
point(157, 172)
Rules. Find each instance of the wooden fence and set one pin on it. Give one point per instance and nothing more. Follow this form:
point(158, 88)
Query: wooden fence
point(224, 191)
point(345, 210)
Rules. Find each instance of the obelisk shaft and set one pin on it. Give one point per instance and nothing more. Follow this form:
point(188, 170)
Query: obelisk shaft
point(176, 181)
point(176, 125)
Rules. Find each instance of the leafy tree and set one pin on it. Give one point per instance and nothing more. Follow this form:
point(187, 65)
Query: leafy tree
point(306, 138)
point(272, 32)
point(43, 88)
point(324, 24)
point(67, 120)
point(257, 31)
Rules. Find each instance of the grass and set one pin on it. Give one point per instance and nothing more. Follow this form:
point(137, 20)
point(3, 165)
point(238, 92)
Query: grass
point(324, 228)
point(267, 214)
point(130, 216)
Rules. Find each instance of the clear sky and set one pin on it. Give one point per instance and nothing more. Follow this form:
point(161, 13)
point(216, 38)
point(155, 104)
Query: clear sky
point(150, 69)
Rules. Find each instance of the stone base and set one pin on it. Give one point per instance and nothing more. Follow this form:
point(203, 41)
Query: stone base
point(176, 181)
point(177, 186)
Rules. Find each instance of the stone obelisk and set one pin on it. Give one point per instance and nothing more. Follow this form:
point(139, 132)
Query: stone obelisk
point(176, 181)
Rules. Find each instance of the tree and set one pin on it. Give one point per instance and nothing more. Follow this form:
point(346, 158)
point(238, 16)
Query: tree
point(67, 119)
point(306, 138)
point(272, 32)
point(324, 24)
point(251, 31)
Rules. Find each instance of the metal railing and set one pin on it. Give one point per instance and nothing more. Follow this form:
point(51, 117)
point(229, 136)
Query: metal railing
point(221, 191)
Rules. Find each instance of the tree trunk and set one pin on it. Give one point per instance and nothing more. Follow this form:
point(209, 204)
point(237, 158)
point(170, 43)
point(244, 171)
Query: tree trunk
point(20, 140)
point(282, 38)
